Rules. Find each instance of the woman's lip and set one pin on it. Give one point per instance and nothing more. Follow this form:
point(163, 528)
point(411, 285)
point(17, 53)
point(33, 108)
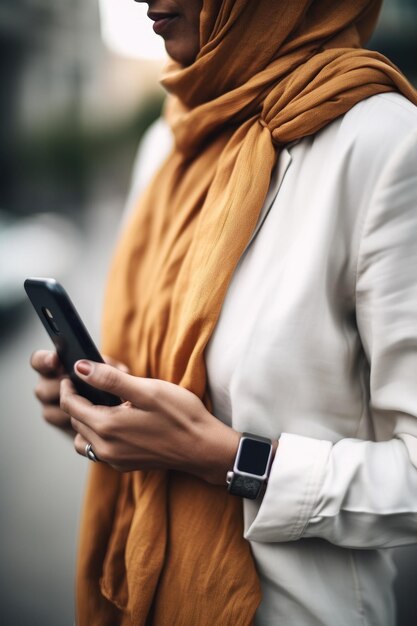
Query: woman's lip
point(161, 20)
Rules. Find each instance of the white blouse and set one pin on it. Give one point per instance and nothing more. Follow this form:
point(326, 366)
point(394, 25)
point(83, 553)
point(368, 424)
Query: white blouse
point(317, 344)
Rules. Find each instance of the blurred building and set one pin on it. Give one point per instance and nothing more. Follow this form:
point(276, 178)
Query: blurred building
point(396, 35)
point(59, 86)
point(60, 50)
point(47, 57)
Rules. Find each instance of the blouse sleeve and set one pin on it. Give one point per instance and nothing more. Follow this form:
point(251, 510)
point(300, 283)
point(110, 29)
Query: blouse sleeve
point(355, 493)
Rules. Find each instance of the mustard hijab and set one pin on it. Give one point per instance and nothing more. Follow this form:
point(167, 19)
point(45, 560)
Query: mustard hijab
point(166, 548)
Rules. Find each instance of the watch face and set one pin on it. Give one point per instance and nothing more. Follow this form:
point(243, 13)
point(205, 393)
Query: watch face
point(253, 457)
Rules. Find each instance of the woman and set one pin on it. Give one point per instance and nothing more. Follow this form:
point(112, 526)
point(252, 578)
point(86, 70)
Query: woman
point(264, 284)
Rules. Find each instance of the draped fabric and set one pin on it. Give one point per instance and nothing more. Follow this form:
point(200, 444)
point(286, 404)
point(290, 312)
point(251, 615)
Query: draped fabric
point(166, 548)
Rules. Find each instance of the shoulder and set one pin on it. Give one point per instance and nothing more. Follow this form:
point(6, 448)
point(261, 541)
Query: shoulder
point(354, 150)
point(376, 126)
point(384, 115)
point(153, 149)
point(158, 134)
point(369, 129)
point(379, 133)
point(357, 162)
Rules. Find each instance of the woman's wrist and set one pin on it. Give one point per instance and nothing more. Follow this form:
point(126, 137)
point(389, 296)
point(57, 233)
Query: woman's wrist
point(217, 452)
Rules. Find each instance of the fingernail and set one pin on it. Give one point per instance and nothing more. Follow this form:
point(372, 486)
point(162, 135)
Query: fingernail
point(83, 367)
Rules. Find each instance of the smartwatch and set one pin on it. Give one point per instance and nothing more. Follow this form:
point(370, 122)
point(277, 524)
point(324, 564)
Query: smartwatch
point(251, 468)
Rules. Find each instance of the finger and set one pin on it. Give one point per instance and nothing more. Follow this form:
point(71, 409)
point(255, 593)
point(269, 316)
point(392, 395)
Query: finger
point(87, 433)
point(101, 421)
point(102, 376)
point(53, 415)
point(47, 363)
point(117, 364)
point(47, 390)
point(80, 444)
point(77, 406)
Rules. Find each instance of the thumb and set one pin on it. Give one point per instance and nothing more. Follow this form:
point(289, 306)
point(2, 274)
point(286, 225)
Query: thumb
point(118, 364)
point(109, 378)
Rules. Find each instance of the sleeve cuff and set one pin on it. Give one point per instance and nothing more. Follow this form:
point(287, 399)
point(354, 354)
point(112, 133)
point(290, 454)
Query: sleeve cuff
point(293, 487)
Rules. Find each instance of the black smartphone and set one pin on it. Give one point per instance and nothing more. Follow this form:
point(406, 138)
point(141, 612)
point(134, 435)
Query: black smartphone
point(68, 333)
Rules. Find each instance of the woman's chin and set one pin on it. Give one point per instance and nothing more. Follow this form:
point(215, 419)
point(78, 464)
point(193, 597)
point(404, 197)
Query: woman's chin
point(180, 53)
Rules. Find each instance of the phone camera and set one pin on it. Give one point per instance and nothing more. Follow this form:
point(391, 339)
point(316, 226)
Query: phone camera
point(50, 319)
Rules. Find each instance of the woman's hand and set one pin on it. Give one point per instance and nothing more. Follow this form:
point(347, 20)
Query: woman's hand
point(47, 390)
point(159, 425)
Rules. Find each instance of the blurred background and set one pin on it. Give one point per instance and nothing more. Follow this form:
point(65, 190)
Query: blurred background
point(79, 86)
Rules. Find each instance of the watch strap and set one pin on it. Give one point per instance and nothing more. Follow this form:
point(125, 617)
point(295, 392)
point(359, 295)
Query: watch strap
point(245, 486)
